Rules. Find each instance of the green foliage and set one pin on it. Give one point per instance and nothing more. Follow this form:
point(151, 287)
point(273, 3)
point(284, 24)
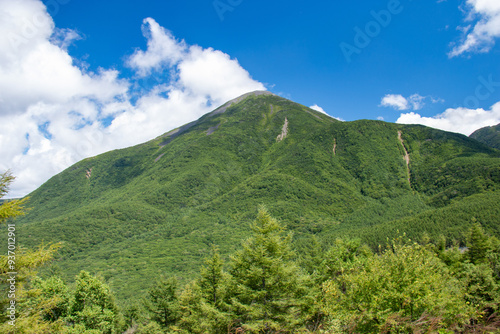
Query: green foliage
point(10, 208)
point(343, 257)
point(150, 328)
point(404, 289)
point(481, 288)
point(163, 303)
point(201, 315)
point(80, 329)
point(93, 305)
point(269, 287)
point(478, 244)
point(32, 309)
point(53, 289)
point(489, 135)
point(213, 279)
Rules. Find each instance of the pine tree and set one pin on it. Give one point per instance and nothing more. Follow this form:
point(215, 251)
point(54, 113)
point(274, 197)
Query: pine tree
point(203, 302)
point(93, 305)
point(268, 284)
point(163, 302)
point(478, 244)
point(212, 278)
point(200, 315)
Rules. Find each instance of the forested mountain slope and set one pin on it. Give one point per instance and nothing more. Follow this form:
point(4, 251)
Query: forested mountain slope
point(489, 135)
point(155, 208)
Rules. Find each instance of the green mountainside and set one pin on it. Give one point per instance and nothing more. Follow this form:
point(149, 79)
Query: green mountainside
point(156, 208)
point(489, 135)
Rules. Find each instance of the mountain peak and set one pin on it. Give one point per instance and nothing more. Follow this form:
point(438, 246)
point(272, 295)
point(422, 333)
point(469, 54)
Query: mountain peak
point(178, 131)
point(240, 98)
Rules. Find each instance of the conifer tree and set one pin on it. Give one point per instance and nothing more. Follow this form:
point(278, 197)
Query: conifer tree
point(163, 302)
point(212, 278)
point(93, 305)
point(478, 244)
point(203, 302)
point(478, 276)
point(268, 284)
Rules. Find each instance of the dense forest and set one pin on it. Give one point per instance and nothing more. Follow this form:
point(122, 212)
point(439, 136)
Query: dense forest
point(489, 135)
point(266, 286)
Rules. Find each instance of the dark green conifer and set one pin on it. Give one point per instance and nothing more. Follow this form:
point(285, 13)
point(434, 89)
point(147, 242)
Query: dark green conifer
point(269, 287)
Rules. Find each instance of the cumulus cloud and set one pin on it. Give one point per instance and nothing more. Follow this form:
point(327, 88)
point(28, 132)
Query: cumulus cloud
point(480, 35)
point(35, 69)
point(317, 108)
point(162, 49)
point(209, 72)
point(399, 102)
point(321, 110)
point(395, 101)
point(54, 113)
point(461, 120)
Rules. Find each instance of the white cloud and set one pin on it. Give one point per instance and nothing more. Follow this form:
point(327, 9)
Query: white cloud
point(209, 72)
point(64, 37)
point(53, 113)
point(480, 37)
point(414, 102)
point(199, 80)
point(461, 120)
point(395, 101)
point(163, 49)
point(34, 69)
point(321, 110)
point(318, 108)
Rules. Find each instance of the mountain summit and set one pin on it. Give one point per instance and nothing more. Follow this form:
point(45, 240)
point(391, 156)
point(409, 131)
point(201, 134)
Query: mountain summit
point(159, 206)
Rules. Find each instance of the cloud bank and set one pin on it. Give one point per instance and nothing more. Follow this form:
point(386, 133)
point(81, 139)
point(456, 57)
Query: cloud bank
point(54, 113)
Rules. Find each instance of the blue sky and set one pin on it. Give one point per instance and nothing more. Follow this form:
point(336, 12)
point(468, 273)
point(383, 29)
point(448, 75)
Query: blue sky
point(294, 47)
point(78, 78)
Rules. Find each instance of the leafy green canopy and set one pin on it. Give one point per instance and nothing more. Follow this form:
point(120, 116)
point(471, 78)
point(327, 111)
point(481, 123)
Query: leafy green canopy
point(406, 288)
point(489, 135)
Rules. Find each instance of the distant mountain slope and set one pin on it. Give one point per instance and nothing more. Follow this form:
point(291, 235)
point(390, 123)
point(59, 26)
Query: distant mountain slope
point(489, 135)
point(155, 208)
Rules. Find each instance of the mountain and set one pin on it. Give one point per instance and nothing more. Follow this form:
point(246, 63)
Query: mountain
point(489, 135)
point(157, 208)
